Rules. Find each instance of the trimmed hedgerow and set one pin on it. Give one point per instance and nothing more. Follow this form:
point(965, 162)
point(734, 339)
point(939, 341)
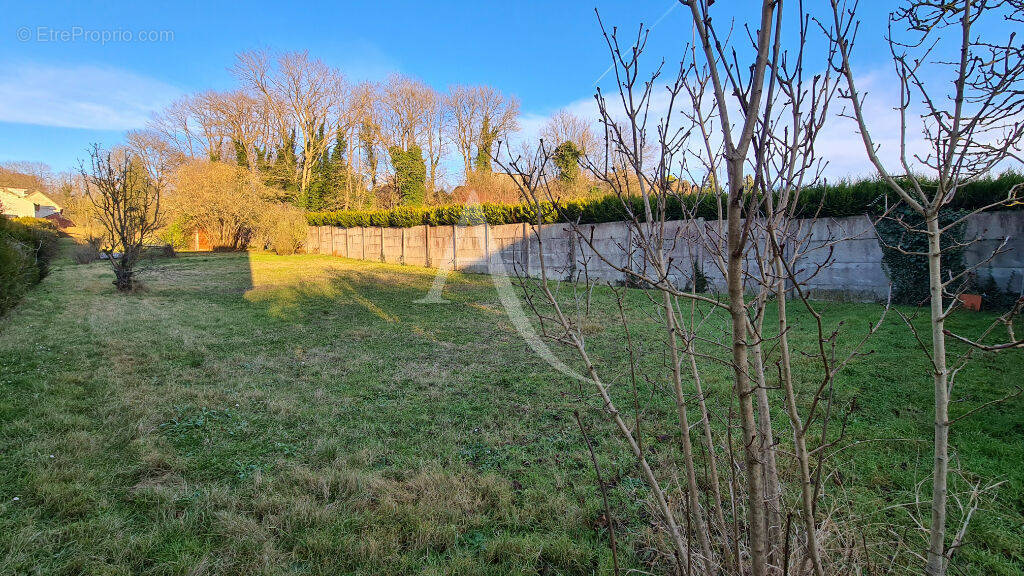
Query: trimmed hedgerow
point(834, 201)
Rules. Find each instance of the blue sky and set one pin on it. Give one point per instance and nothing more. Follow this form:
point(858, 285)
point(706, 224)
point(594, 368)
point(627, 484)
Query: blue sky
point(57, 96)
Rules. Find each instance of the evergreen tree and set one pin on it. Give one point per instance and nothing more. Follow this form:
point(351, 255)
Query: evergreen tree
point(338, 172)
point(366, 143)
point(483, 151)
point(240, 156)
point(410, 174)
point(314, 199)
point(282, 173)
point(338, 160)
point(566, 158)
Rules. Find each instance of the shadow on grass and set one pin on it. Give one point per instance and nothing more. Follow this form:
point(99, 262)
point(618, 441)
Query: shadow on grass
point(367, 294)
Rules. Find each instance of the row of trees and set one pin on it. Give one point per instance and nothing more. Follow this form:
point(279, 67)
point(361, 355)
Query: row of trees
point(296, 125)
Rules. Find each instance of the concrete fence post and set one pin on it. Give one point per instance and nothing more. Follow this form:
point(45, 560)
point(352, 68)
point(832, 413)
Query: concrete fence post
point(426, 239)
point(526, 250)
point(382, 244)
point(455, 246)
point(487, 246)
point(629, 253)
point(572, 253)
point(362, 236)
point(401, 259)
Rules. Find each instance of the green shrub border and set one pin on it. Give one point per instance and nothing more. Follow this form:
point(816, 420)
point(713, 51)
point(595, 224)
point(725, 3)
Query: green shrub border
point(27, 246)
point(835, 201)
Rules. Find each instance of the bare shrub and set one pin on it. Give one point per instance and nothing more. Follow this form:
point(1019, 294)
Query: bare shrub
point(223, 200)
point(234, 208)
point(283, 229)
point(85, 254)
point(126, 192)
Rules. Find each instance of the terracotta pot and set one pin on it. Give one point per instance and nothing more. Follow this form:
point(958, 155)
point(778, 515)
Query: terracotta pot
point(971, 301)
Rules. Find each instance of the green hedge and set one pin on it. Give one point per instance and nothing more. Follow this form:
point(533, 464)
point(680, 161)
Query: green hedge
point(835, 201)
point(26, 250)
point(608, 209)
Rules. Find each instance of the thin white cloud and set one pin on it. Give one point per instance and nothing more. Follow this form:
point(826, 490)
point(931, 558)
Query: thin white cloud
point(531, 124)
point(90, 97)
point(839, 143)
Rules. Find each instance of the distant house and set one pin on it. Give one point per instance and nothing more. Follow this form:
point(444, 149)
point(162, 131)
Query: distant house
point(21, 202)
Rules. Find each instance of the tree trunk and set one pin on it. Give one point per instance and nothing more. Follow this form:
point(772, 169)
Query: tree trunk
point(936, 565)
point(687, 446)
point(744, 395)
point(799, 436)
point(123, 278)
point(773, 488)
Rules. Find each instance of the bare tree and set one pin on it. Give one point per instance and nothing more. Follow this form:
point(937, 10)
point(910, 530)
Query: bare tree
point(972, 123)
point(466, 116)
point(191, 125)
point(402, 108)
point(153, 151)
point(482, 115)
point(31, 175)
point(564, 126)
point(437, 124)
point(177, 125)
point(364, 129)
point(303, 92)
point(499, 117)
point(126, 191)
point(247, 121)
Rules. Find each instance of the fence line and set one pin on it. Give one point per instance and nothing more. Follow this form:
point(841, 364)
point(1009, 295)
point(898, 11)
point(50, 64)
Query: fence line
point(855, 272)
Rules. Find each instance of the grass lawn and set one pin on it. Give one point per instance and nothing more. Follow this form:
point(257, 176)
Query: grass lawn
point(257, 414)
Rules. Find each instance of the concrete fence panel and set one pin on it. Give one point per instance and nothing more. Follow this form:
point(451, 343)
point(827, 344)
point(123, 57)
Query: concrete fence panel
point(372, 244)
point(339, 242)
point(507, 248)
point(440, 246)
point(471, 248)
point(391, 245)
point(355, 244)
point(842, 256)
point(601, 252)
point(415, 240)
point(1003, 231)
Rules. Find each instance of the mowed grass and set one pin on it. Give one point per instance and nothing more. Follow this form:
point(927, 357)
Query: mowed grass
point(257, 414)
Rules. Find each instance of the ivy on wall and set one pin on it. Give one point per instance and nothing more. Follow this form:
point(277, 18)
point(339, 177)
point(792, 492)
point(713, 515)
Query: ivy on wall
point(905, 249)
